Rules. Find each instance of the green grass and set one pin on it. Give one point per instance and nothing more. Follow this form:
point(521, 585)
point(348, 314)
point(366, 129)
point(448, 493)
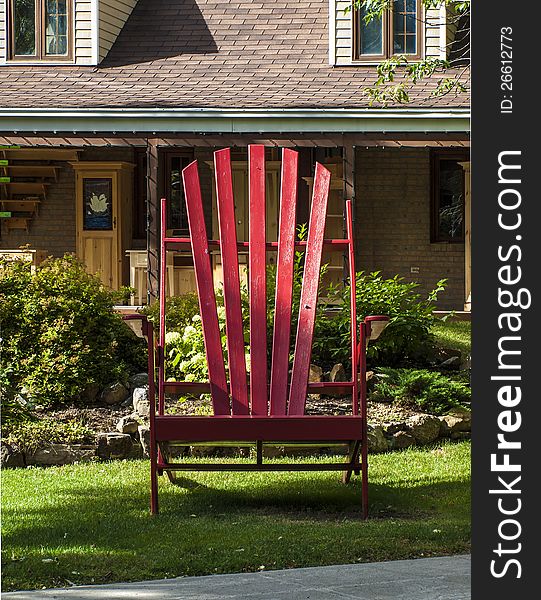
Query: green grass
point(454, 334)
point(90, 523)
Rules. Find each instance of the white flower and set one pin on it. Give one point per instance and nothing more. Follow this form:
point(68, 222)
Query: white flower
point(172, 336)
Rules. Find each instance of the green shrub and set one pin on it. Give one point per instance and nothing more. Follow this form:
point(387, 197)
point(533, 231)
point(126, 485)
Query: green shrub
point(60, 332)
point(185, 351)
point(179, 311)
point(34, 434)
point(429, 391)
point(408, 338)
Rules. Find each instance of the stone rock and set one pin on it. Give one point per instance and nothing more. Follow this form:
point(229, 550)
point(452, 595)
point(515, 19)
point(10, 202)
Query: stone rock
point(393, 428)
point(316, 374)
point(424, 428)
point(61, 454)
point(144, 439)
point(461, 435)
point(377, 442)
point(203, 451)
point(138, 380)
point(90, 393)
point(114, 445)
point(451, 364)
point(273, 451)
point(10, 458)
point(141, 402)
point(128, 424)
point(136, 451)
point(369, 375)
point(456, 421)
point(338, 373)
point(402, 439)
point(437, 355)
point(114, 393)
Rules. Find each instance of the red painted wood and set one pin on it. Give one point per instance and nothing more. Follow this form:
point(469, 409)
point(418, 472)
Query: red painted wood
point(230, 265)
point(338, 245)
point(252, 428)
point(308, 304)
point(203, 387)
point(364, 440)
point(353, 307)
point(205, 290)
point(284, 284)
point(258, 281)
point(161, 339)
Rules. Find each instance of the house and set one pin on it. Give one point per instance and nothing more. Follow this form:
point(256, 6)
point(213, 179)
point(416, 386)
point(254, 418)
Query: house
point(103, 102)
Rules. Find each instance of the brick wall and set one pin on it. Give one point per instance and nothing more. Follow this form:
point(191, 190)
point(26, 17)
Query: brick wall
point(393, 222)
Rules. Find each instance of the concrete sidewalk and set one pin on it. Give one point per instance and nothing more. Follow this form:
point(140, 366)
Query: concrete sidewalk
point(445, 578)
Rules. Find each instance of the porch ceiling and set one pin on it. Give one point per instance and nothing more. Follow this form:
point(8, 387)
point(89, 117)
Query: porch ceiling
point(395, 140)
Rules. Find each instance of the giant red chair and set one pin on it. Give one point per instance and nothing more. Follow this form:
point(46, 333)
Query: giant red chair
point(262, 407)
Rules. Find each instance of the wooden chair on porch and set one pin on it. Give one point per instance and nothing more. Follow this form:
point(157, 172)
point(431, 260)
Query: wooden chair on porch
point(260, 407)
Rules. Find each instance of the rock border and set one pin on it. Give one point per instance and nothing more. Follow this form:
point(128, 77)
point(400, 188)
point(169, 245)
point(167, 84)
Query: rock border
point(132, 438)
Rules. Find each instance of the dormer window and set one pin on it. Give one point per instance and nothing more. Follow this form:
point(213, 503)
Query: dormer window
point(398, 31)
point(40, 29)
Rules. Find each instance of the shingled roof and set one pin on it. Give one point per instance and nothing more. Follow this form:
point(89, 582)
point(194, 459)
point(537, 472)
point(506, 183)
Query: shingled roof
point(210, 54)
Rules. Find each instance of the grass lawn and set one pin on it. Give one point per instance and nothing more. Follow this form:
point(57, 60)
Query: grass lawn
point(90, 523)
point(454, 334)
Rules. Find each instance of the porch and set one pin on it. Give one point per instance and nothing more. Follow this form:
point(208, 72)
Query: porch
point(98, 198)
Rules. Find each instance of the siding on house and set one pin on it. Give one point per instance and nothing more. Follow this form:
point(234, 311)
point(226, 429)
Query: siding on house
point(112, 16)
point(392, 225)
point(83, 32)
point(342, 40)
point(3, 31)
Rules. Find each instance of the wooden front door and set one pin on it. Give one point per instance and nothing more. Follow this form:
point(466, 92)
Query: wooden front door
point(102, 202)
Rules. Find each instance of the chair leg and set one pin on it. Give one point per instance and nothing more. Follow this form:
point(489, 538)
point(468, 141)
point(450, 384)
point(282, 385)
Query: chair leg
point(352, 456)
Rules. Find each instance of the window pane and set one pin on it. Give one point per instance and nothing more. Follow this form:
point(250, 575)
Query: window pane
point(371, 35)
point(24, 13)
point(411, 23)
point(405, 27)
point(56, 28)
point(178, 218)
point(451, 199)
point(411, 44)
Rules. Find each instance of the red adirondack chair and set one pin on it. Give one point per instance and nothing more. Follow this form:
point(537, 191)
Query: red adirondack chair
point(264, 409)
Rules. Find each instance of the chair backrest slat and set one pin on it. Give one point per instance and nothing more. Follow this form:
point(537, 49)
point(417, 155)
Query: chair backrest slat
point(205, 290)
point(257, 281)
point(284, 284)
point(308, 303)
point(230, 265)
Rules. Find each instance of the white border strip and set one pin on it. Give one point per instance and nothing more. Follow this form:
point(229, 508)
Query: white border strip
point(332, 32)
point(203, 120)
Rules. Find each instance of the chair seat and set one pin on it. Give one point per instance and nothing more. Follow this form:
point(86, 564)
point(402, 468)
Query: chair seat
point(305, 428)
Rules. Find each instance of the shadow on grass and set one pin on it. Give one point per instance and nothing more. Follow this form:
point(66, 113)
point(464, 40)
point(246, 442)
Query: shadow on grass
point(101, 531)
point(94, 512)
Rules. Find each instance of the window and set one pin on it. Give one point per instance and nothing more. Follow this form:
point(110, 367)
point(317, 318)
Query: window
point(448, 193)
point(40, 29)
point(397, 32)
point(174, 190)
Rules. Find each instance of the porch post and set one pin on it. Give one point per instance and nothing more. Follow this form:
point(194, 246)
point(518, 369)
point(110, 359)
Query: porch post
point(153, 221)
point(348, 159)
point(467, 234)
